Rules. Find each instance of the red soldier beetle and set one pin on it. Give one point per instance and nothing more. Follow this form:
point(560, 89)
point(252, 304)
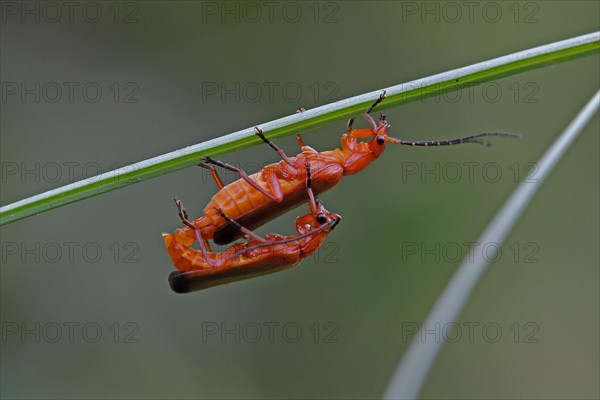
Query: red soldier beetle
point(256, 199)
point(200, 269)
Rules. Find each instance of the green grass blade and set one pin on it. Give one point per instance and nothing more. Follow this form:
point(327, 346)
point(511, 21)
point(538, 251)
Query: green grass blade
point(404, 93)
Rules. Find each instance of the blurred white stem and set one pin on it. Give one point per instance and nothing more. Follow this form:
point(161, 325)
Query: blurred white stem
point(414, 368)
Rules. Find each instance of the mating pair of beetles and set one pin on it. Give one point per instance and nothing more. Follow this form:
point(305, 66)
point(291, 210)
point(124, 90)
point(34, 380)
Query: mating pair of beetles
point(253, 200)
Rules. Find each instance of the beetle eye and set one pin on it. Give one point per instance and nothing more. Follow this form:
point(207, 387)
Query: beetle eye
point(321, 218)
point(380, 140)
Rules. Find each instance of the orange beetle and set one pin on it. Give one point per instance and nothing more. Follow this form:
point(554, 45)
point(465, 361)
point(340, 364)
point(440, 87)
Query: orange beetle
point(200, 269)
point(256, 199)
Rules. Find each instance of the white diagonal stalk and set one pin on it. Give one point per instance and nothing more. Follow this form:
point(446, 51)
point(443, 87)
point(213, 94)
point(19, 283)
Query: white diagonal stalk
point(413, 370)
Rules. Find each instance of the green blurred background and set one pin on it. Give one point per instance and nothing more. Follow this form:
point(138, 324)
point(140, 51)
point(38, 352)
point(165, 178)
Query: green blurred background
point(86, 310)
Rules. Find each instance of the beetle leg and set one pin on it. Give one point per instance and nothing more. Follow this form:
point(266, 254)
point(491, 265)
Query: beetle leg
point(367, 113)
point(313, 203)
point(244, 176)
point(298, 137)
point(285, 158)
point(349, 125)
point(202, 243)
point(272, 180)
point(240, 227)
point(213, 171)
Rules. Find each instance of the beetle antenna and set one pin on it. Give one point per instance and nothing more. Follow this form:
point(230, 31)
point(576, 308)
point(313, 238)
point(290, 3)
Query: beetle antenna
point(460, 140)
